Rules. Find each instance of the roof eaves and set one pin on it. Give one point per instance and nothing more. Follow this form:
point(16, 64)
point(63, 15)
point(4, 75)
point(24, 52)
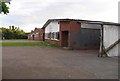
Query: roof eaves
point(82, 21)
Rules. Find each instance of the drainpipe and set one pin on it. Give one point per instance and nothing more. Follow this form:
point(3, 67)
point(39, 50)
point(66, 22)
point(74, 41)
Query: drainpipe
point(102, 41)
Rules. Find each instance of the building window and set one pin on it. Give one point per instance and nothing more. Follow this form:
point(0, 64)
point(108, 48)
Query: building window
point(37, 33)
point(55, 36)
point(52, 35)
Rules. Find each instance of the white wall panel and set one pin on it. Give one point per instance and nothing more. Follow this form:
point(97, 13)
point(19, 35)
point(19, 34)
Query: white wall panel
point(52, 27)
point(111, 36)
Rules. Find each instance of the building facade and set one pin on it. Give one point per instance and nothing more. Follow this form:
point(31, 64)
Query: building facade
point(82, 34)
point(72, 34)
point(37, 34)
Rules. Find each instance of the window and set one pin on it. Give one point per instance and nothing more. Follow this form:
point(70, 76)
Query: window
point(37, 33)
point(49, 35)
point(55, 36)
point(52, 35)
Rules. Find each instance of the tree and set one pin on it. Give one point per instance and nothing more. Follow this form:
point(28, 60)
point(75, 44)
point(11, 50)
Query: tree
point(13, 33)
point(3, 6)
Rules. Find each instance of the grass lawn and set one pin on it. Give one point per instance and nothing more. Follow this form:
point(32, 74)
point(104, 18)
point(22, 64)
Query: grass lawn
point(28, 44)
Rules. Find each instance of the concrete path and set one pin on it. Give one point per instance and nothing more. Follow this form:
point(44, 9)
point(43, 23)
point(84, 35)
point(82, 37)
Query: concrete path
point(54, 63)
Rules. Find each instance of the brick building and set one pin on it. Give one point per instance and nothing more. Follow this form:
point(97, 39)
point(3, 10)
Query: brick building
point(37, 34)
point(72, 33)
point(81, 34)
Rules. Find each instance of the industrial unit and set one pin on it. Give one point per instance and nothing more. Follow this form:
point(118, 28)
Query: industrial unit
point(83, 34)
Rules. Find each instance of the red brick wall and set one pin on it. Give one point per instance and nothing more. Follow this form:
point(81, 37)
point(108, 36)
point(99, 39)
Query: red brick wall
point(53, 41)
point(70, 26)
point(64, 26)
point(42, 34)
point(75, 26)
point(39, 35)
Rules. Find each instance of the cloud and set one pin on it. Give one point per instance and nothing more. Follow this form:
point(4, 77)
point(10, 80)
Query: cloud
point(32, 13)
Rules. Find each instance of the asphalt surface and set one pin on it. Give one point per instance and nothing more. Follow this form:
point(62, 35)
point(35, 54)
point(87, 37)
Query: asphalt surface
point(56, 63)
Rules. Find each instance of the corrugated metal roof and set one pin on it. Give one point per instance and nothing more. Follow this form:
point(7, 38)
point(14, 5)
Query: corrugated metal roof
point(82, 21)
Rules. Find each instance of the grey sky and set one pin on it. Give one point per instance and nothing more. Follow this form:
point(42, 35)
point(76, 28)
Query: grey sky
point(28, 14)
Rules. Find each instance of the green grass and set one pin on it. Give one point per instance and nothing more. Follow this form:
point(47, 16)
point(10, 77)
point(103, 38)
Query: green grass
point(28, 44)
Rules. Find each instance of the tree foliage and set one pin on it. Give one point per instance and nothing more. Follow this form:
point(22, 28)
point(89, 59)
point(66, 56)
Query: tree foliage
point(3, 7)
point(13, 33)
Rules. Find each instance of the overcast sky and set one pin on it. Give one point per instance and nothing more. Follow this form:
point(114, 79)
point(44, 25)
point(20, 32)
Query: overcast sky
point(28, 14)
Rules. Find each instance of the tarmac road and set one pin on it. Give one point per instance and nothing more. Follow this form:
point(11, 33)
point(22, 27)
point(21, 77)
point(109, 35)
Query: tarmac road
point(56, 63)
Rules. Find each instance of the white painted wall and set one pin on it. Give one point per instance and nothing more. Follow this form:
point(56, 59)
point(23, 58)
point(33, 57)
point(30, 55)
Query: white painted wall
point(52, 27)
point(110, 36)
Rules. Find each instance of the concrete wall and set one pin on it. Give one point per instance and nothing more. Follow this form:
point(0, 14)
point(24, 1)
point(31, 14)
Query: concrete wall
point(110, 36)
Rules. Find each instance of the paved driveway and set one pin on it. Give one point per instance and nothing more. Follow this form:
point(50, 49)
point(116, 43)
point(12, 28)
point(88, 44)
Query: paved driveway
point(53, 63)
